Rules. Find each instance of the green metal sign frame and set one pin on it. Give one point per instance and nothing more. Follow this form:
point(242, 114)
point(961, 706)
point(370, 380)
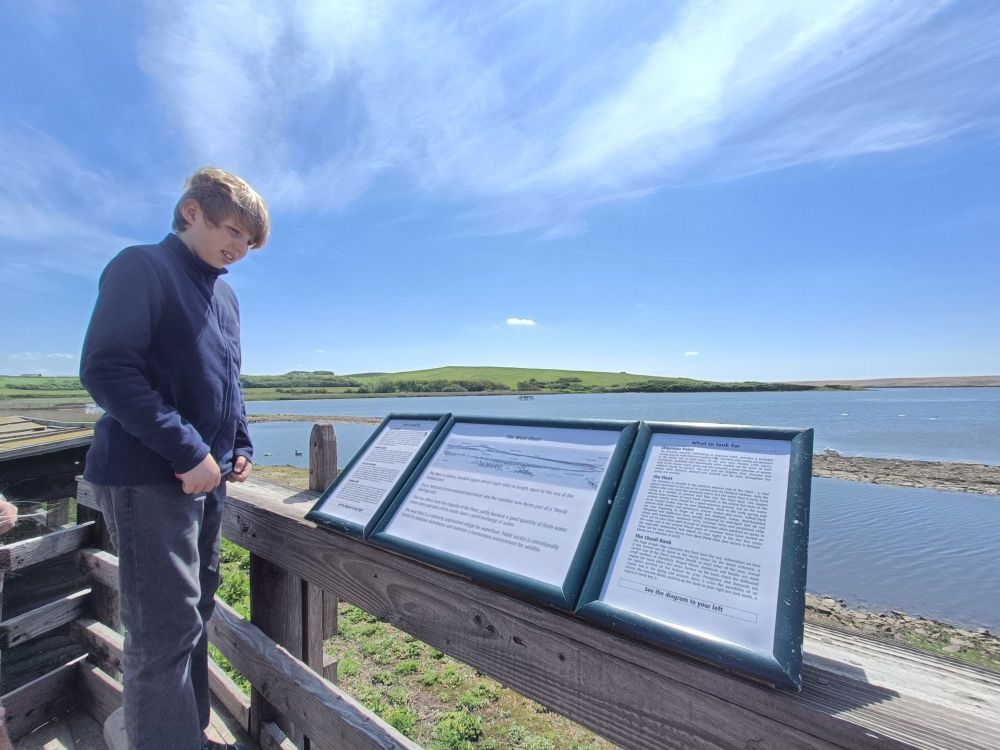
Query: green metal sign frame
point(563, 596)
point(352, 527)
point(782, 666)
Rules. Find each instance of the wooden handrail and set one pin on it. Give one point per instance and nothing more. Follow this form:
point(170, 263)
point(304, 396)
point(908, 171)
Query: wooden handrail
point(623, 690)
point(858, 692)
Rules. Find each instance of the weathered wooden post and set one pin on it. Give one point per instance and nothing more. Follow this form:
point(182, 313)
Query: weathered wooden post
point(321, 609)
point(292, 612)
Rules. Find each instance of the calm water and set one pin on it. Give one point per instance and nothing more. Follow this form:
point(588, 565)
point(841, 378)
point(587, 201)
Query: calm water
point(924, 551)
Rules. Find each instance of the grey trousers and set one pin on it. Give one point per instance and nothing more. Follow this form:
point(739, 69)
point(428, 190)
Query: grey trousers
point(168, 552)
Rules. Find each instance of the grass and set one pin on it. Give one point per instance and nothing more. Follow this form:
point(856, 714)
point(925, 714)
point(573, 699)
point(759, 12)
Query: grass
point(551, 381)
point(511, 376)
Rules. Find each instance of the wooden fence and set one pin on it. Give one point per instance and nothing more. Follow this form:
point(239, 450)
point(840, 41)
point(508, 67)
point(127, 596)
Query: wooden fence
point(859, 692)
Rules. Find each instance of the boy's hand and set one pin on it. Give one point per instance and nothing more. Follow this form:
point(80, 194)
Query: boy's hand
point(204, 477)
point(241, 470)
point(8, 516)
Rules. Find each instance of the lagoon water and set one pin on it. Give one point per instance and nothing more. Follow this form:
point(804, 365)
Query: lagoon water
point(927, 552)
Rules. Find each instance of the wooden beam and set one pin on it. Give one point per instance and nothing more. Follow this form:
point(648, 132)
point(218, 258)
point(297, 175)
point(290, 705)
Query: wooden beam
point(234, 700)
point(39, 656)
point(101, 566)
point(86, 495)
point(320, 607)
point(57, 512)
point(43, 548)
point(635, 695)
point(42, 473)
point(278, 609)
point(43, 619)
point(322, 456)
point(272, 738)
point(107, 646)
point(101, 695)
point(42, 700)
point(102, 643)
point(331, 718)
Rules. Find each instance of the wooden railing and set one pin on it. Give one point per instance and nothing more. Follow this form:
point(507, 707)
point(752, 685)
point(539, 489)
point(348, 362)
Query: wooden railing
point(858, 692)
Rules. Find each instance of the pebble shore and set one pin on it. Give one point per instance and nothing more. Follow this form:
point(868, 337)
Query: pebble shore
point(977, 645)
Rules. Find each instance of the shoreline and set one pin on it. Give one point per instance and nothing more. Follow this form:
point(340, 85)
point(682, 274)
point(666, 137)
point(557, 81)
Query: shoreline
point(982, 479)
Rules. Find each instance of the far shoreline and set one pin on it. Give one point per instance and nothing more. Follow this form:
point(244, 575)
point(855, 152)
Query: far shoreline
point(981, 479)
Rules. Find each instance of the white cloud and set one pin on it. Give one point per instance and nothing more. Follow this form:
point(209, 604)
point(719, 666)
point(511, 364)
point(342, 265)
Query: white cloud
point(527, 115)
point(520, 322)
point(35, 356)
point(692, 354)
point(57, 215)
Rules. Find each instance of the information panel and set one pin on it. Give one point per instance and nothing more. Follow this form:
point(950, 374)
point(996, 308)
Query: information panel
point(707, 545)
point(518, 503)
point(368, 485)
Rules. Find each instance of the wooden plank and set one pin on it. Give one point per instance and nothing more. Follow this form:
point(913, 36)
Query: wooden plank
point(104, 645)
point(107, 646)
point(57, 513)
point(946, 682)
point(31, 587)
point(47, 617)
point(30, 444)
point(554, 658)
point(331, 718)
point(320, 607)
point(32, 659)
point(50, 475)
point(100, 694)
point(234, 700)
point(39, 549)
point(101, 566)
point(86, 495)
point(276, 607)
point(272, 738)
point(41, 700)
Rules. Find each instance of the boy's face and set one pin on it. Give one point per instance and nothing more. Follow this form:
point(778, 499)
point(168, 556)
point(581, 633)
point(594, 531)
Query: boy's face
point(219, 245)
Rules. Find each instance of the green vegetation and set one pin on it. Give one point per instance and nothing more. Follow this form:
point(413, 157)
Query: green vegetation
point(299, 384)
point(528, 380)
point(299, 379)
point(40, 387)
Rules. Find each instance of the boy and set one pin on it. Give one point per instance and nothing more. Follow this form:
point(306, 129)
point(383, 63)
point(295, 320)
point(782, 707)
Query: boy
point(162, 357)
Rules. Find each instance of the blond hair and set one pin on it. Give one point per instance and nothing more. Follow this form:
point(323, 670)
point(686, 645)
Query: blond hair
point(222, 195)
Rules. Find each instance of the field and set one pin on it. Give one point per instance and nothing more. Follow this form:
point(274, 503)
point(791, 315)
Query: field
point(30, 386)
point(297, 385)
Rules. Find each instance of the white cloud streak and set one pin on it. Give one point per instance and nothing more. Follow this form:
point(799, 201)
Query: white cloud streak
point(35, 356)
point(57, 215)
point(520, 322)
point(692, 354)
point(520, 117)
point(527, 115)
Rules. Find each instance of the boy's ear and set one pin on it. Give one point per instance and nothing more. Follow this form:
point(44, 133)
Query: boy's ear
point(190, 209)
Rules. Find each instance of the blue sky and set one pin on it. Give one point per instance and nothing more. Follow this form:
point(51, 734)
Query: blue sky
point(726, 190)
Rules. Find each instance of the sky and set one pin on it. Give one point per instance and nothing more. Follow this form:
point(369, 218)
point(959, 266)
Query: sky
point(726, 190)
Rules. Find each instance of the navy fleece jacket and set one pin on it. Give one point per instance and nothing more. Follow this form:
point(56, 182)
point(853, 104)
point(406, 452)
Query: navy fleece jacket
point(162, 358)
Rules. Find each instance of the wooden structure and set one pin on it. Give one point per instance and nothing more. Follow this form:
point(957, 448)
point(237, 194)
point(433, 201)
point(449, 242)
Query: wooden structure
point(859, 692)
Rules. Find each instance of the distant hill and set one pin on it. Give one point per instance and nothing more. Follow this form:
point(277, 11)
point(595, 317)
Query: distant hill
point(968, 381)
point(301, 384)
point(532, 380)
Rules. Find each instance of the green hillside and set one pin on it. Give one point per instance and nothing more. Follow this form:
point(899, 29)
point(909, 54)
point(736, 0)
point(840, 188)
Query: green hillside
point(511, 376)
point(299, 384)
point(40, 387)
point(527, 380)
